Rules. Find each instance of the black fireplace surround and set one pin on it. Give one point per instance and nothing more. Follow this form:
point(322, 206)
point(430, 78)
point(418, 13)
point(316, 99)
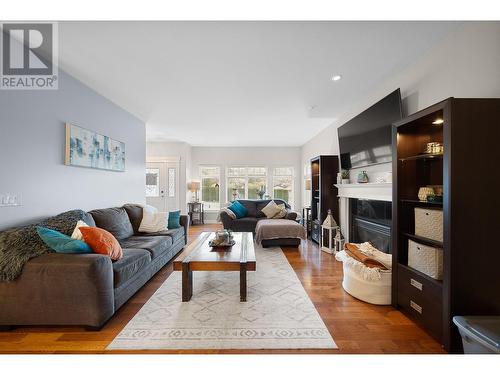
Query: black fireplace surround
point(371, 221)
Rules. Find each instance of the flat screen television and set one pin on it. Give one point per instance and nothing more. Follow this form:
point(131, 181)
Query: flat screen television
point(366, 139)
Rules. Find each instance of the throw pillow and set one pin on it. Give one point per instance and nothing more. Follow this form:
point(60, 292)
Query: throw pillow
point(102, 242)
point(61, 243)
point(174, 219)
point(271, 209)
point(281, 213)
point(152, 220)
point(238, 209)
point(77, 235)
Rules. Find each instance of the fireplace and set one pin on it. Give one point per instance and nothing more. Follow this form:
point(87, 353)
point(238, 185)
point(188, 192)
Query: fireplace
point(370, 220)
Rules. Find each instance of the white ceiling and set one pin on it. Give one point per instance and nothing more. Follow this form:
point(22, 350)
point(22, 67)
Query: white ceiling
point(240, 83)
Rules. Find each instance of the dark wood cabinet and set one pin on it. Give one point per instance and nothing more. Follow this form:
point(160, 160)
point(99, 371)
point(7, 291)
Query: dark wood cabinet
point(324, 194)
point(196, 213)
point(469, 130)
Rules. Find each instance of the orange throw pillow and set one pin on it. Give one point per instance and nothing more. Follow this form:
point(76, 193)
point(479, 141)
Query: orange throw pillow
point(102, 242)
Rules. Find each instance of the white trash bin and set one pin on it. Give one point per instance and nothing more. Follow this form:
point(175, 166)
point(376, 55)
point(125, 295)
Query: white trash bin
point(480, 334)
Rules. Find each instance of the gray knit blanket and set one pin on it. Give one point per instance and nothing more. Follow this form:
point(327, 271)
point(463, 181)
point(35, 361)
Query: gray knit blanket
point(19, 245)
point(268, 229)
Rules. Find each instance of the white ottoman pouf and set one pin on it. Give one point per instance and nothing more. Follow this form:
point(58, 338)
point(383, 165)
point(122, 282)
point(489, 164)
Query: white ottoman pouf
point(371, 285)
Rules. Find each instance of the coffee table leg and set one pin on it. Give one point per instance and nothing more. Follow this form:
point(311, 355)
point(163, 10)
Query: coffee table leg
point(187, 282)
point(243, 282)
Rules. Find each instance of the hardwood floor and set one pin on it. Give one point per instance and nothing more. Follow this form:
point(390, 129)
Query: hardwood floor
point(356, 327)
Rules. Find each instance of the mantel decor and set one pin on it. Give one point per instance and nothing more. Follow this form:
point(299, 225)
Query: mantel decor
point(86, 148)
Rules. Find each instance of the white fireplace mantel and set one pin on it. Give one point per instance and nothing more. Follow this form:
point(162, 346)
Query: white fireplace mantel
point(373, 191)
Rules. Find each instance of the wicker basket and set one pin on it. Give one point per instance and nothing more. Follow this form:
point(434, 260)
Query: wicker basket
point(429, 223)
point(426, 259)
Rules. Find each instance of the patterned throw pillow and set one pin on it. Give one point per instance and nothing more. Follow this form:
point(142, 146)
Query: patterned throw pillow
point(271, 210)
point(102, 242)
point(281, 213)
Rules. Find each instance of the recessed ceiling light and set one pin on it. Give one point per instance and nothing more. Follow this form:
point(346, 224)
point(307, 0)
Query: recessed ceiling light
point(336, 77)
point(438, 121)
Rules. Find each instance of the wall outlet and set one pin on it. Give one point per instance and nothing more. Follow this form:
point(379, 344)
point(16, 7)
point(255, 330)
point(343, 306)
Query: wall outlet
point(10, 199)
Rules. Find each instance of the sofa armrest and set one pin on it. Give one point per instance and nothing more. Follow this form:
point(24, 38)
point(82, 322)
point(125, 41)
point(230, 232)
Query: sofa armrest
point(60, 289)
point(291, 215)
point(227, 221)
point(184, 221)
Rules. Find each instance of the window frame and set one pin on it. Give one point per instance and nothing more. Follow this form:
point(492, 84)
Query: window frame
point(246, 176)
point(291, 200)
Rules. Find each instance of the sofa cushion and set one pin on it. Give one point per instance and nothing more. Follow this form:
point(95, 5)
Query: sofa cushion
point(175, 234)
point(245, 224)
point(115, 220)
point(133, 261)
point(174, 219)
point(156, 245)
point(134, 212)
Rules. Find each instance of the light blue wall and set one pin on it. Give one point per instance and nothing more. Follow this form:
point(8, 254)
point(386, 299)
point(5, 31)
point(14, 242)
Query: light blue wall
point(32, 139)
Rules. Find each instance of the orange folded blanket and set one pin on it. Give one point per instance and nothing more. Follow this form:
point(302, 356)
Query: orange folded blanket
point(353, 251)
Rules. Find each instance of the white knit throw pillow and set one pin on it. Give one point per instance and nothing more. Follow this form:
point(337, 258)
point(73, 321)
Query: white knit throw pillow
point(77, 235)
point(152, 220)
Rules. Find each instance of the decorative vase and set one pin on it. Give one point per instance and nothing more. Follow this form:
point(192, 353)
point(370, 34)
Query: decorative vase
point(423, 192)
point(363, 177)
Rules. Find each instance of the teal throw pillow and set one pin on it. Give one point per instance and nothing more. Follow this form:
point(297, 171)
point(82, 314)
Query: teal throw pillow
point(174, 220)
point(238, 209)
point(61, 243)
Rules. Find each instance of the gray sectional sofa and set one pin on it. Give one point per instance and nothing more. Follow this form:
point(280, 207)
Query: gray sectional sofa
point(254, 207)
point(87, 289)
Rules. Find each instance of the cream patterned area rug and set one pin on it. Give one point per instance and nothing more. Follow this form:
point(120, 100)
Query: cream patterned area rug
point(277, 315)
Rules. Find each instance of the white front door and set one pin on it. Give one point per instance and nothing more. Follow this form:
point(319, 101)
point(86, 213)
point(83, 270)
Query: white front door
point(162, 185)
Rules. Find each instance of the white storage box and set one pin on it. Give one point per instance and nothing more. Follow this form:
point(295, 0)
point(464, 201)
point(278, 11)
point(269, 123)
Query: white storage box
point(429, 223)
point(426, 259)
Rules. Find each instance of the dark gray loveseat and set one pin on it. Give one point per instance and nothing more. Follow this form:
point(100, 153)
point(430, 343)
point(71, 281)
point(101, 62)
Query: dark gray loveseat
point(87, 289)
point(254, 207)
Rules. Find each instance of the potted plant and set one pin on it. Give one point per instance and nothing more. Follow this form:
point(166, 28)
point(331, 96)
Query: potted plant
point(345, 177)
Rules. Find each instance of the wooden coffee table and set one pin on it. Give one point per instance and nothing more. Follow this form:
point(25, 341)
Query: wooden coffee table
point(198, 256)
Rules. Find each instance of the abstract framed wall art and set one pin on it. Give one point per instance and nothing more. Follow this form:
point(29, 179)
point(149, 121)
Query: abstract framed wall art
point(86, 148)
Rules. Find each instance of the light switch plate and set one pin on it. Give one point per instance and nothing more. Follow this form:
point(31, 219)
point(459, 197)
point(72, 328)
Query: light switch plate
point(10, 200)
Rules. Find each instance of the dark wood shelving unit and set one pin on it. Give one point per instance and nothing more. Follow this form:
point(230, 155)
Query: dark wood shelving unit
point(324, 169)
point(422, 157)
point(418, 202)
point(469, 134)
point(423, 240)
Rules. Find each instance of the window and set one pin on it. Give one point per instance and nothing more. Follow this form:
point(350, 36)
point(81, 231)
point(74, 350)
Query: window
point(246, 183)
point(152, 182)
point(283, 184)
point(210, 187)
point(171, 182)
point(307, 185)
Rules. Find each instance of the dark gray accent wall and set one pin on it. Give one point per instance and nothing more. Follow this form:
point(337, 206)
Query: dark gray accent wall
point(32, 144)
